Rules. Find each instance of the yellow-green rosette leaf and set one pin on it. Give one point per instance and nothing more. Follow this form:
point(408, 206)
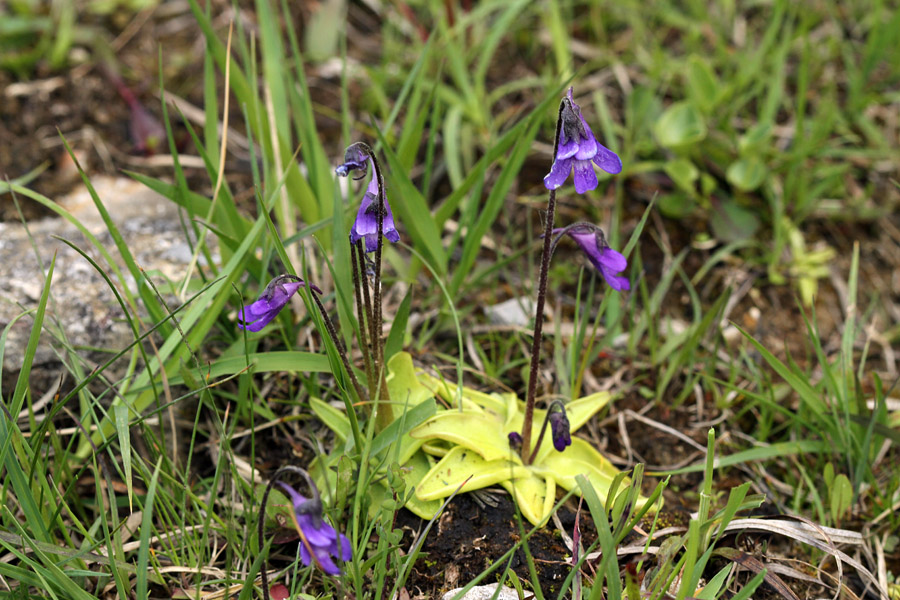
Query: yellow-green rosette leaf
point(476, 431)
point(403, 385)
point(414, 471)
point(579, 411)
point(461, 464)
point(534, 495)
point(582, 459)
point(447, 391)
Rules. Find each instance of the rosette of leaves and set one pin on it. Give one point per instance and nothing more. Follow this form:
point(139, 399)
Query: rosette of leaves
point(466, 446)
point(472, 442)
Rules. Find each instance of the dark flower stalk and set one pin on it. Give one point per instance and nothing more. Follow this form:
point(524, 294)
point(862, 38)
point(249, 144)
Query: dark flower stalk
point(342, 351)
point(539, 306)
point(319, 541)
point(363, 311)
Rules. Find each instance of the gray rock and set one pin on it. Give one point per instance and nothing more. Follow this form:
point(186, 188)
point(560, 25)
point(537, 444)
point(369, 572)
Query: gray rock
point(82, 311)
point(515, 311)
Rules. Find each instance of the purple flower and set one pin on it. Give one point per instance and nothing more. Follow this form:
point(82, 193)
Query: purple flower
point(358, 157)
point(366, 224)
point(318, 536)
point(577, 149)
point(559, 428)
point(515, 440)
point(276, 295)
point(606, 260)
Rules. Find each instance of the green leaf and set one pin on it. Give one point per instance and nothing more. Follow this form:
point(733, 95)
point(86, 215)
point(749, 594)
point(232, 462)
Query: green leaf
point(683, 173)
point(703, 88)
point(469, 429)
point(411, 418)
point(394, 342)
point(414, 471)
point(680, 125)
point(732, 222)
point(334, 419)
point(581, 459)
point(841, 497)
point(747, 174)
point(459, 465)
point(120, 412)
point(677, 205)
point(533, 495)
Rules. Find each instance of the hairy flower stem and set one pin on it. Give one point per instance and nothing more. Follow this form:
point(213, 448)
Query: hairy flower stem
point(383, 412)
point(539, 310)
point(363, 311)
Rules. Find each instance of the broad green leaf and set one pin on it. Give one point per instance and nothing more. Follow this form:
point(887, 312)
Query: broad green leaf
point(579, 411)
point(676, 205)
point(447, 391)
point(414, 471)
point(394, 342)
point(747, 174)
point(703, 88)
point(680, 125)
point(731, 222)
point(413, 417)
point(403, 384)
point(683, 172)
point(841, 497)
point(581, 459)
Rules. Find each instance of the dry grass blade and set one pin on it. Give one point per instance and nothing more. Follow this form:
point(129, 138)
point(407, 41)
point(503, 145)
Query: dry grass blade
point(757, 566)
point(823, 538)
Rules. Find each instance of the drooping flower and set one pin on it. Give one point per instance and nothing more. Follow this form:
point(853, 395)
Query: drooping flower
point(606, 260)
point(358, 157)
point(366, 224)
point(319, 536)
point(559, 428)
point(276, 295)
point(576, 150)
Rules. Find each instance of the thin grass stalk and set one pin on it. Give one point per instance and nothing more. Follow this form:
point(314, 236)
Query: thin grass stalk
point(364, 316)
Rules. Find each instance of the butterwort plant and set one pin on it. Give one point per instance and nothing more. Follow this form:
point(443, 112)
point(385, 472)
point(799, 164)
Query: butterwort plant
point(491, 435)
point(275, 297)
